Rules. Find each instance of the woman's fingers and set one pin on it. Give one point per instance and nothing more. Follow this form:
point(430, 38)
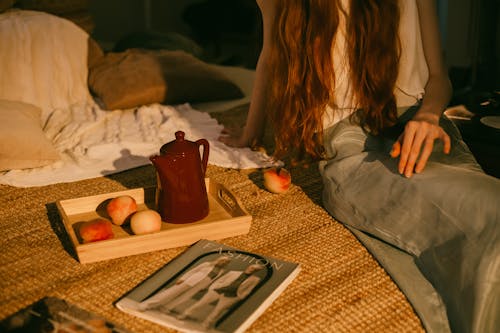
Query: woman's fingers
point(396, 148)
point(422, 143)
point(407, 143)
point(232, 130)
point(415, 146)
point(446, 142)
point(232, 137)
point(229, 140)
point(427, 150)
point(424, 155)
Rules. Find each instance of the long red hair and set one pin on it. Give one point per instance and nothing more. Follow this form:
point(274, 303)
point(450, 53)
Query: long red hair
point(303, 72)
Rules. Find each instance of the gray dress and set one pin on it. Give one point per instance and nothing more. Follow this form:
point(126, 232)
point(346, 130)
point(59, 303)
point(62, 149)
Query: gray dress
point(447, 217)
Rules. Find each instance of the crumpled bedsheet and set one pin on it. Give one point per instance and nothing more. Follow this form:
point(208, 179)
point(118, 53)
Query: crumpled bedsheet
point(94, 142)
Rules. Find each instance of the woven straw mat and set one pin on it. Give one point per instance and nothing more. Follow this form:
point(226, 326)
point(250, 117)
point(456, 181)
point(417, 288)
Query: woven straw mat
point(341, 287)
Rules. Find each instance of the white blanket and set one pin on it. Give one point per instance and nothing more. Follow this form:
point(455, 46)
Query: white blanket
point(44, 62)
point(94, 142)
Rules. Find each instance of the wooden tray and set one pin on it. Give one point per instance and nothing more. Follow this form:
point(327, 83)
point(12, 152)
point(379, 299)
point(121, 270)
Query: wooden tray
point(226, 218)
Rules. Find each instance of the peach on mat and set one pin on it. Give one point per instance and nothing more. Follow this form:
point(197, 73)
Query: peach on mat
point(95, 230)
point(120, 208)
point(277, 180)
point(145, 222)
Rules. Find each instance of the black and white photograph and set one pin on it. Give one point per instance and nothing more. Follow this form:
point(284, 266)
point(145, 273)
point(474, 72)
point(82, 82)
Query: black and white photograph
point(212, 293)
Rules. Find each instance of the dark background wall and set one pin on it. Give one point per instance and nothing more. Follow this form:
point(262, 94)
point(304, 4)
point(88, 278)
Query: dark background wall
point(114, 19)
point(228, 30)
point(470, 30)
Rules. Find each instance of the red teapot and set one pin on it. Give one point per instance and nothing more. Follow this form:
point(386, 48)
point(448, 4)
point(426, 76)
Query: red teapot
point(181, 194)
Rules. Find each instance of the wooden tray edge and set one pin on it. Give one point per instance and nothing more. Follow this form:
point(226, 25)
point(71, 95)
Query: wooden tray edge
point(238, 224)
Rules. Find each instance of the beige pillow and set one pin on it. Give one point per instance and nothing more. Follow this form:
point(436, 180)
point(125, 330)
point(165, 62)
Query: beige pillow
point(43, 61)
point(192, 80)
point(23, 144)
point(127, 79)
point(140, 77)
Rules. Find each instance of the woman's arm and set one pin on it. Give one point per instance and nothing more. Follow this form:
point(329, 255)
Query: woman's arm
point(415, 145)
point(255, 124)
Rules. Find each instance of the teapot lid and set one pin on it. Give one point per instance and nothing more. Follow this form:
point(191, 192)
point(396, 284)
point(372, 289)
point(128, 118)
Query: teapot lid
point(179, 146)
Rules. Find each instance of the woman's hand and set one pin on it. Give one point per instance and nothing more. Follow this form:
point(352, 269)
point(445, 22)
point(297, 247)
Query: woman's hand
point(233, 137)
point(414, 145)
point(237, 137)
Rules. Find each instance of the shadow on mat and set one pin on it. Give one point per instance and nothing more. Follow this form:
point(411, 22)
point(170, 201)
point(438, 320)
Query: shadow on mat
point(57, 226)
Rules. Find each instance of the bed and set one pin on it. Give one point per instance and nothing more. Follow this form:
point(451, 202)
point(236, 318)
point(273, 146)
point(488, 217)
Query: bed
point(64, 136)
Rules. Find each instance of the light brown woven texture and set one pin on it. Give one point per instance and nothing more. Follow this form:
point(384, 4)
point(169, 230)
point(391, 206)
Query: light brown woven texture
point(340, 288)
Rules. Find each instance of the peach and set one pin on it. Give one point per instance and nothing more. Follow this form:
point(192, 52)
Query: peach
point(145, 222)
point(277, 180)
point(120, 208)
point(95, 230)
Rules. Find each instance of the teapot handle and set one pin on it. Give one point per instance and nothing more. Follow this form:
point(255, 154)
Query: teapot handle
point(206, 150)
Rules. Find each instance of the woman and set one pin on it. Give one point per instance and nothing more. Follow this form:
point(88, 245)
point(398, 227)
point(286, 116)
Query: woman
point(186, 286)
point(360, 84)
